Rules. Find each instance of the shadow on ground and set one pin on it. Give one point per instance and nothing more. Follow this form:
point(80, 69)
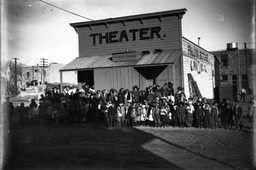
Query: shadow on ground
point(83, 148)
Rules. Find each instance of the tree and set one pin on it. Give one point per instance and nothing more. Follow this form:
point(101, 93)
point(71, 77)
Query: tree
point(8, 74)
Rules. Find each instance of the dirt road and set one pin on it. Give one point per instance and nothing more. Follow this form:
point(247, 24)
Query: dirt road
point(87, 147)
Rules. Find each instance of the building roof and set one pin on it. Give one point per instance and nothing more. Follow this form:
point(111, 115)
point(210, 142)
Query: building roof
point(184, 38)
point(179, 12)
point(152, 58)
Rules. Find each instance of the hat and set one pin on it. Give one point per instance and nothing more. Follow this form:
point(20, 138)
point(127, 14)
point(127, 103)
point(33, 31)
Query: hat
point(180, 103)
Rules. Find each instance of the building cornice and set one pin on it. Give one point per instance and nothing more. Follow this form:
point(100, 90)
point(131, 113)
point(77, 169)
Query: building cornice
point(179, 13)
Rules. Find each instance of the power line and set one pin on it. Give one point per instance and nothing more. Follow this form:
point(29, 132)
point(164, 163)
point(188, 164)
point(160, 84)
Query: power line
point(65, 10)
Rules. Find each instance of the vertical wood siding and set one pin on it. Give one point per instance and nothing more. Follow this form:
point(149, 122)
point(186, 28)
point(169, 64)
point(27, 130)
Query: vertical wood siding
point(166, 76)
point(125, 77)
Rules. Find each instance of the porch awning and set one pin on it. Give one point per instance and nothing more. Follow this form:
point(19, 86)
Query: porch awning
point(152, 58)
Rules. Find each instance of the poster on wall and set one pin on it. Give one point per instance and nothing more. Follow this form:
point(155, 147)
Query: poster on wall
point(193, 65)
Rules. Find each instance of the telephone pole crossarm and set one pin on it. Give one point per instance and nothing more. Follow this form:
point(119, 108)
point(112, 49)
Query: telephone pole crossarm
point(44, 62)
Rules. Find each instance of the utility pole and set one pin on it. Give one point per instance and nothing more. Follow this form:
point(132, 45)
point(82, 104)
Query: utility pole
point(15, 71)
point(33, 72)
point(239, 70)
point(246, 62)
point(44, 62)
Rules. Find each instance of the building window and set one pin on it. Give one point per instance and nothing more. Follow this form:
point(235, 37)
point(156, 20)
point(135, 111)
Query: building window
point(234, 79)
point(224, 60)
point(28, 74)
point(224, 78)
point(244, 77)
point(245, 83)
point(189, 50)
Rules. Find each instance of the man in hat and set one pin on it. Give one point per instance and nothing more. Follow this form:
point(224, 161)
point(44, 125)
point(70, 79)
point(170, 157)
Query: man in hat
point(156, 114)
point(112, 115)
point(181, 111)
point(214, 114)
point(165, 90)
point(238, 115)
point(199, 115)
point(170, 86)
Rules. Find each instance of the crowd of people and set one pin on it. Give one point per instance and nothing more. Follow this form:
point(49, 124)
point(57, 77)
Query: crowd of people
point(155, 107)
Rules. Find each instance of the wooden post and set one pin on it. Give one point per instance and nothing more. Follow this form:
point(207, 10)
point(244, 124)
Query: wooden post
point(61, 83)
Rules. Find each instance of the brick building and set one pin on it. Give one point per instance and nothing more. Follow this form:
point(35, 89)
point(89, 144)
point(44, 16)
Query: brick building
point(234, 68)
point(141, 50)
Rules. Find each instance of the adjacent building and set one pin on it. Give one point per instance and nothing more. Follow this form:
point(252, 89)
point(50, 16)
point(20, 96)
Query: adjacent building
point(234, 68)
point(34, 74)
point(48, 74)
point(141, 50)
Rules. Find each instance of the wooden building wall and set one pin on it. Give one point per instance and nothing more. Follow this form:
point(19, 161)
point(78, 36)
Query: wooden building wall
point(200, 67)
point(171, 74)
point(127, 77)
point(170, 36)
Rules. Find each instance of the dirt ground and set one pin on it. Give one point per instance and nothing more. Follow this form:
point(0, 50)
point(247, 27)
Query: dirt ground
point(85, 146)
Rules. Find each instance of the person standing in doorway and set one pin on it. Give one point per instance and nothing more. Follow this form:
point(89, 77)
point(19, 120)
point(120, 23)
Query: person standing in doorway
point(243, 93)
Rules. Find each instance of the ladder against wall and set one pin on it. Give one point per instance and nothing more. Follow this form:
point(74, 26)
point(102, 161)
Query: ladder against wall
point(194, 91)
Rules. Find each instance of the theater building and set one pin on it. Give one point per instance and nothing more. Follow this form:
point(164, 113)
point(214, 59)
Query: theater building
point(141, 50)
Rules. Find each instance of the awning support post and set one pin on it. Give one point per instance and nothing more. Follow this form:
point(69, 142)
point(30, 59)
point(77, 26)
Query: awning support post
point(174, 76)
point(61, 83)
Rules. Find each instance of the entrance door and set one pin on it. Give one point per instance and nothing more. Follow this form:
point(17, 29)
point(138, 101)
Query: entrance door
point(86, 76)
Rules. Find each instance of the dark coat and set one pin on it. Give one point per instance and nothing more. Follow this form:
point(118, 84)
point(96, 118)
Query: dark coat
point(112, 111)
point(156, 113)
point(199, 113)
point(238, 112)
point(181, 111)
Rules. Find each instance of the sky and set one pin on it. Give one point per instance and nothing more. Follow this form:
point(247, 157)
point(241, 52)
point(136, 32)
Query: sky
point(33, 30)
